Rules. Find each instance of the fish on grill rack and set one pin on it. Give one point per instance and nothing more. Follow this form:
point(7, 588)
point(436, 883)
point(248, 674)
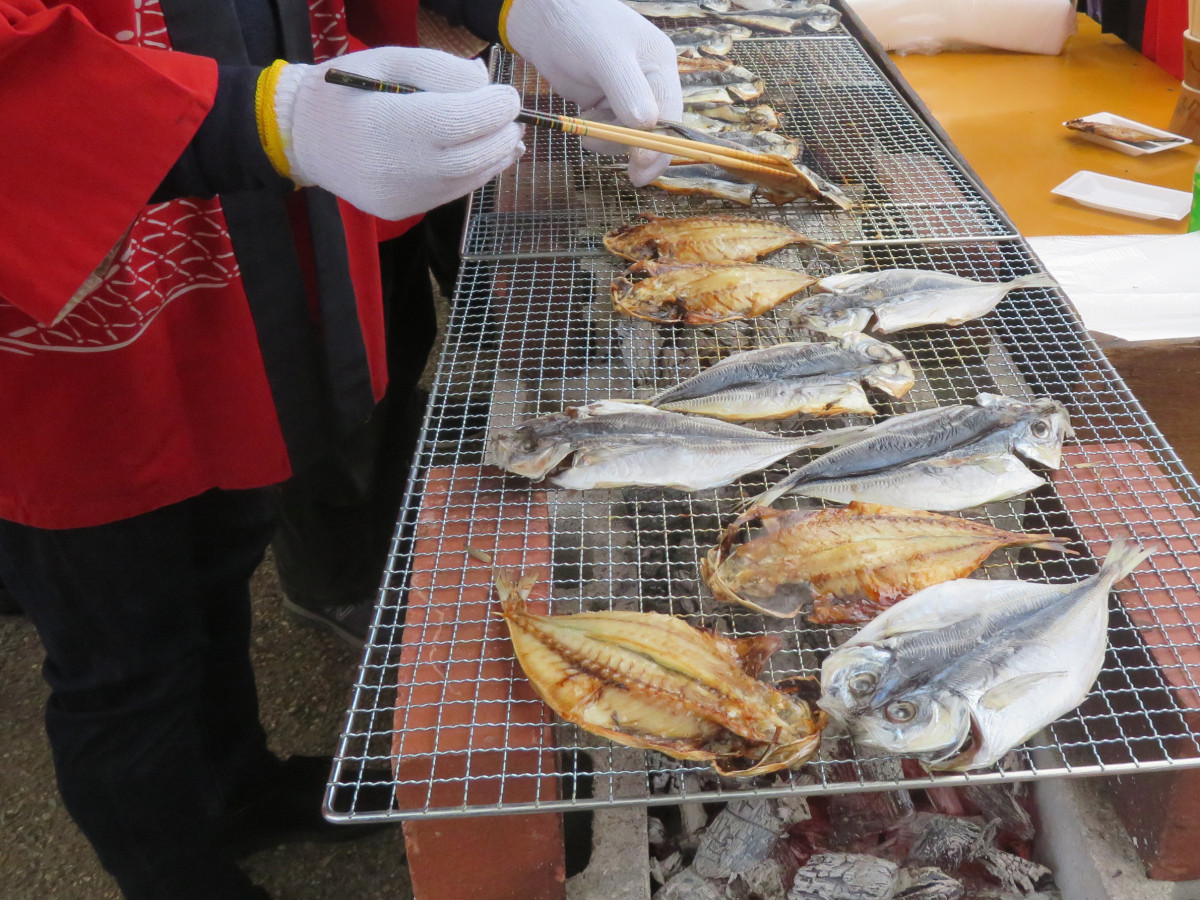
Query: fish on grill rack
point(944, 459)
point(615, 444)
point(962, 672)
point(821, 379)
point(655, 682)
point(895, 299)
point(698, 239)
point(850, 563)
point(704, 293)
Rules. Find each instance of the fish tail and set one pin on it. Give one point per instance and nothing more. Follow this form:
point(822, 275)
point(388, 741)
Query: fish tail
point(1035, 280)
point(1048, 542)
point(513, 590)
point(769, 496)
point(1122, 558)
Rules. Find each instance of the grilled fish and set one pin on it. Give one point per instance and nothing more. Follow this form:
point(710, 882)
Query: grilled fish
point(850, 563)
point(724, 93)
point(894, 299)
point(1122, 133)
point(678, 9)
point(960, 673)
point(705, 181)
point(788, 379)
point(747, 117)
point(654, 682)
point(704, 294)
point(615, 444)
point(697, 239)
point(818, 17)
point(702, 40)
point(944, 459)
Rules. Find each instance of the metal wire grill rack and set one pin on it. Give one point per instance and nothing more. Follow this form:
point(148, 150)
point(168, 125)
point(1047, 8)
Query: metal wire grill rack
point(439, 699)
point(857, 132)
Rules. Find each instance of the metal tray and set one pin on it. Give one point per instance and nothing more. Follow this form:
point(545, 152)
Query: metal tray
point(438, 697)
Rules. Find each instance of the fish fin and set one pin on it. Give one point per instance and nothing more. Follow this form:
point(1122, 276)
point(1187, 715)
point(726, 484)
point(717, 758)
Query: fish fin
point(1122, 558)
point(753, 652)
point(1035, 280)
point(1013, 690)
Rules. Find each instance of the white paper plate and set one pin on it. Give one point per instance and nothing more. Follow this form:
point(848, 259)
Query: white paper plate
point(1106, 118)
point(1119, 195)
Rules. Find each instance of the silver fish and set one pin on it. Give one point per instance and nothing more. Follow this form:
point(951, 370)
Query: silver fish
point(747, 117)
point(715, 74)
point(943, 459)
point(819, 18)
point(615, 444)
point(787, 379)
point(962, 672)
point(894, 299)
point(707, 181)
point(713, 90)
point(702, 40)
point(678, 9)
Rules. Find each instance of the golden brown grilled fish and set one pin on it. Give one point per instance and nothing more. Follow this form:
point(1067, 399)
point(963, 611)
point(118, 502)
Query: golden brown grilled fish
point(704, 294)
point(853, 562)
point(699, 239)
point(1117, 132)
point(653, 681)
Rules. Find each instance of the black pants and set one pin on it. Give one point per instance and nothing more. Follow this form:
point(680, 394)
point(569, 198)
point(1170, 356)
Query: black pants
point(337, 519)
point(153, 712)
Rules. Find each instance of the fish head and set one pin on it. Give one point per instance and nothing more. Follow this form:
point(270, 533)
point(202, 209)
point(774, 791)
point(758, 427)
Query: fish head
point(531, 449)
point(859, 689)
point(889, 372)
point(1040, 434)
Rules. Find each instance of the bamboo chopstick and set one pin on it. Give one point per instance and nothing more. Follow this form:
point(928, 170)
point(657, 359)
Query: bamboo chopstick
point(726, 157)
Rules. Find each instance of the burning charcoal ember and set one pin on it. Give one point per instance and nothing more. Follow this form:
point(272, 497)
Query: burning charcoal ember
point(999, 801)
point(1014, 873)
point(845, 876)
point(950, 843)
point(691, 885)
point(792, 810)
point(858, 816)
point(741, 834)
point(768, 879)
point(927, 883)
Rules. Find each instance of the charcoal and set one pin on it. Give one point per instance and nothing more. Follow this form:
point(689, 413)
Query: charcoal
point(1015, 873)
point(663, 870)
point(949, 842)
point(856, 816)
point(691, 885)
point(999, 801)
point(845, 876)
point(767, 879)
point(927, 883)
point(741, 834)
point(792, 810)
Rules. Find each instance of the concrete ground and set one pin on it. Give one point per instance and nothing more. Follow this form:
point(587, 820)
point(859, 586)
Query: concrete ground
point(304, 677)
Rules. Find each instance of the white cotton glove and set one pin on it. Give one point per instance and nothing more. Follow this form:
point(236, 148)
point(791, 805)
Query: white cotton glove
point(392, 155)
point(608, 59)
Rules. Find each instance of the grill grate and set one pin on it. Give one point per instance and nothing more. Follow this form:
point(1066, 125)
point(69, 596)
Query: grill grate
point(442, 697)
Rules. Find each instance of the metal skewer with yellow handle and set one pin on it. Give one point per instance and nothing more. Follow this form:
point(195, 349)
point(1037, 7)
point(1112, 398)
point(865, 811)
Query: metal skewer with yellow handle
point(775, 173)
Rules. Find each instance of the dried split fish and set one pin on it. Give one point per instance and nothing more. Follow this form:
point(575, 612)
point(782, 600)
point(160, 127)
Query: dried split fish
point(891, 300)
point(706, 181)
point(1122, 133)
point(614, 444)
point(849, 563)
point(699, 239)
point(704, 294)
point(943, 459)
point(962, 672)
point(655, 682)
point(749, 118)
point(790, 379)
point(817, 17)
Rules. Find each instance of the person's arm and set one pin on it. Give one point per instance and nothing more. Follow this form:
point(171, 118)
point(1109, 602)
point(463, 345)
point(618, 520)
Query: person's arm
point(90, 129)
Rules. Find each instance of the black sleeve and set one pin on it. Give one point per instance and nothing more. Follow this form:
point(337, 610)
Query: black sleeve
point(482, 17)
point(225, 154)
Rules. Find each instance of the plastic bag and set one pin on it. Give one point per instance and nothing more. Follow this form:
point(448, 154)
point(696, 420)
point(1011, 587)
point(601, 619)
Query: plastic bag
point(931, 26)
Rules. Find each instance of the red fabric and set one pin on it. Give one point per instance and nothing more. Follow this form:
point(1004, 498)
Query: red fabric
point(1162, 34)
point(152, 389)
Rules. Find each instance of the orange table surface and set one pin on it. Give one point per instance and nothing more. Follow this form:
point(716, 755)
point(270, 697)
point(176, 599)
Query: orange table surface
point(1004, 112)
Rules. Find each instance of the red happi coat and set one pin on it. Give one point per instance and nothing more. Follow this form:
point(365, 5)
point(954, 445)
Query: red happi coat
point(154, 386)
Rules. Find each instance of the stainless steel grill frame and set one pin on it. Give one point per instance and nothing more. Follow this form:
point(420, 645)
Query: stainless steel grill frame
point(532, 330)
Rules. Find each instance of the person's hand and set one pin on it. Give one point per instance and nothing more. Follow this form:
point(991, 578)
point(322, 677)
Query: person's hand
point(392, 155)
point(608, 59)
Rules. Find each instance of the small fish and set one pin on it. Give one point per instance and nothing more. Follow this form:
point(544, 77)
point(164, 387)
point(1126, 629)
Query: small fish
point(678, 9)
point(697, 239)
point(962, 672)
point(615, 444)
point(943, 459)
point(761, 117)
point(725, 93)
point(710, 72)
point(706, 181)
point(849, 563)
point(702, 40)
point(792, 379)
point(1122, 133)
point(705, 293)
point(894, 299)
point(819, 18)
point(655, 682)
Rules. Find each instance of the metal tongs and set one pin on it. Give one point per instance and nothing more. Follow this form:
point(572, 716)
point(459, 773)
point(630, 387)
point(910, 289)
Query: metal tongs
point(775, 173)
